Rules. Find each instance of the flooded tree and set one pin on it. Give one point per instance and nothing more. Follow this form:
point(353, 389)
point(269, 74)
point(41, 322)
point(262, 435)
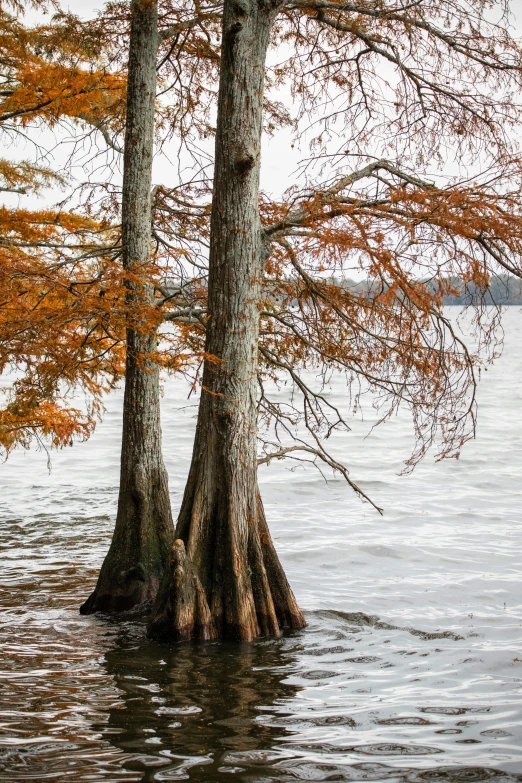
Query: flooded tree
point(224, 576)
point(277, 299)
point(276, 263)
point(82, 307)
point(83, 293)
point(70, 297)
point(143, 534)
point(229, 580)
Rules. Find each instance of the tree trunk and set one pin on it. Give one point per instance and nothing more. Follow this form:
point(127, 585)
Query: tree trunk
point(224, 577)
point(144, 531)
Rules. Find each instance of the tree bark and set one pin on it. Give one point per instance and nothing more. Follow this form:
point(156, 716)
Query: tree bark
point(144, 531)
point(224, 578)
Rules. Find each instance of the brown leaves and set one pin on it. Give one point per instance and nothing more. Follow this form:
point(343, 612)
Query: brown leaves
point(414, 243)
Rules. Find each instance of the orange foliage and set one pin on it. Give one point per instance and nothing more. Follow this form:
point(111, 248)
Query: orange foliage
point(412, 240)
point(61, 323)
point(46, 78)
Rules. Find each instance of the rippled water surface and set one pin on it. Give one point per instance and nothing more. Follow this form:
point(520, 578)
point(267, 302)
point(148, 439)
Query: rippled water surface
point(410, 668)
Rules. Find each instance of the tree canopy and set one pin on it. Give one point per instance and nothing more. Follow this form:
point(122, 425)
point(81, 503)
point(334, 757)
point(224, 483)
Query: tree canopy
point(406, 114)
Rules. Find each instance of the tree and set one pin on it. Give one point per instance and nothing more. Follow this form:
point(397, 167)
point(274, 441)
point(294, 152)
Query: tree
point(143, 534)
point(223, 577)
point(52, 328)
point(67, 321)
point(64, 317)
point(144, 531)
point(278, 298)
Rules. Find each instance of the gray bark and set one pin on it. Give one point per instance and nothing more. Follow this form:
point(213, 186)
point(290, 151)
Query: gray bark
point(143, 534)
point(224, 578)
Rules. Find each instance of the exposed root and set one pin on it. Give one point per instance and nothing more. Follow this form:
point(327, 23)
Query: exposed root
point(231, 595)
point(181, 610)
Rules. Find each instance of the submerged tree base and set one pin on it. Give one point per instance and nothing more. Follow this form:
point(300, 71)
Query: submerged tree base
point(122, 585)
point(245, 597)
point(133, 567)
point(131, 589)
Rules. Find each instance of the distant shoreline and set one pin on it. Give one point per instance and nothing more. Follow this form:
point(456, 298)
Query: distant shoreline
point(503, 290)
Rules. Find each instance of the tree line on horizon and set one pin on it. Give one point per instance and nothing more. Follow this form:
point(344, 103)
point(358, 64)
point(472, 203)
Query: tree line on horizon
point(384, 94)
point(502, 290)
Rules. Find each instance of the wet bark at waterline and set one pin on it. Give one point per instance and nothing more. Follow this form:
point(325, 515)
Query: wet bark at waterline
point(144, 530)
point(224, 579)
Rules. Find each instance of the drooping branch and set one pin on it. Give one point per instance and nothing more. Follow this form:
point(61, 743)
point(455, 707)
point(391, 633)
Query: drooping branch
point(319, 453)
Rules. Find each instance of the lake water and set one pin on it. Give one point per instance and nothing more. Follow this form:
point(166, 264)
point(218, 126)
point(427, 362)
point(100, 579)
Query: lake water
point(410, 668)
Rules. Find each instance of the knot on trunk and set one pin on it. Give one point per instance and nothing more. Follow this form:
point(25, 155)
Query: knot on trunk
point(232, 34)
point(245, 164)
point(270, 5)
point(136, 572)
point(240, 10)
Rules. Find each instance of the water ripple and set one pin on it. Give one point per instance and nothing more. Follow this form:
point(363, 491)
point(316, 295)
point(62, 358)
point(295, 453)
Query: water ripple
point(409, 671)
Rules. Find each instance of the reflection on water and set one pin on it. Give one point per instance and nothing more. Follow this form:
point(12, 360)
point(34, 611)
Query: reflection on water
point(410, 670)
point(194, 708)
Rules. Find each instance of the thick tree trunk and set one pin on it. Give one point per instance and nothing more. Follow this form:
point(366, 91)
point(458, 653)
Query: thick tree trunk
point(224, 577)
point(144, 531)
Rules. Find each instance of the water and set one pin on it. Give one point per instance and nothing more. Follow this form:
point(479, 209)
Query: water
point(410, 668)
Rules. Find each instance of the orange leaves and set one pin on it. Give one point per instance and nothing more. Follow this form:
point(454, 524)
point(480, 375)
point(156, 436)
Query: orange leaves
point(45, 226)
point(45, 421)
point(65, 306)
point(65, 302)
point(53, 91)
point(62, 320)
point(478, 274)
point(442, 82)
point(48, 74)
point(25, 177)
point(415, 244)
